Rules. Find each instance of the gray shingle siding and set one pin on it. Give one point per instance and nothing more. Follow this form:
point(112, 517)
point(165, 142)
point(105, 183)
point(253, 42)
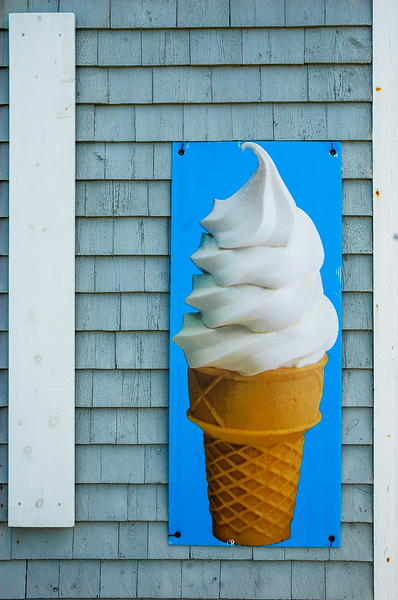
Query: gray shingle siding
point(150, 72)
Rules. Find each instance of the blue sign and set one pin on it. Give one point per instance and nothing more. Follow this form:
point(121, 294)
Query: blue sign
point(203, 171)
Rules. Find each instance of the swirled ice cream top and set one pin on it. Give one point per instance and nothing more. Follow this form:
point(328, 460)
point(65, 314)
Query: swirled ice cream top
point(260, 296)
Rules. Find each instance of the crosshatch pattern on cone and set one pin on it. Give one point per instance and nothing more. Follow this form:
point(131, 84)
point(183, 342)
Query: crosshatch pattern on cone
point(253, 439)
point(252, 490)
point(281, 399)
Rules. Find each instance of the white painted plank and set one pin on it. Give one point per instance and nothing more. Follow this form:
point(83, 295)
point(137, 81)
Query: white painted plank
point(42, 238)
point(385, 211)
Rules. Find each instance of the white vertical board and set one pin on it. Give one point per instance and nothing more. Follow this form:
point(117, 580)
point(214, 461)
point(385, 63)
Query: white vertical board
point(385, 233)
point(42, 268)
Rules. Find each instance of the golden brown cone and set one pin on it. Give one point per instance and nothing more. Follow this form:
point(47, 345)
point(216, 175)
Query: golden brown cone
point(253, 436)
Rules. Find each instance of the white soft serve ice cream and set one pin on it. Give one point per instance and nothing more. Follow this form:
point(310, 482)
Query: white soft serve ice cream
point(260, 297)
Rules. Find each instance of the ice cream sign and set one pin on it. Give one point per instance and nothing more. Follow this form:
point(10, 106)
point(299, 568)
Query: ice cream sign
point(262, 466)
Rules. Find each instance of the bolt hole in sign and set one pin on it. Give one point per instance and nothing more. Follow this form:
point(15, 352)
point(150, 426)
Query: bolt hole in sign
point(255, 350)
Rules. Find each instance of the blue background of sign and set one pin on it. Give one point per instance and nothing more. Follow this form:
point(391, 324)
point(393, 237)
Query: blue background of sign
point(211, 170)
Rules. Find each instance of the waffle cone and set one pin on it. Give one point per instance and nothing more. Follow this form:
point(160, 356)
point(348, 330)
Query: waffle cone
point(253, 439)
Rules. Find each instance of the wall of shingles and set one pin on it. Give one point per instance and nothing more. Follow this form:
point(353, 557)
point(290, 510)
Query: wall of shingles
point(150, 72)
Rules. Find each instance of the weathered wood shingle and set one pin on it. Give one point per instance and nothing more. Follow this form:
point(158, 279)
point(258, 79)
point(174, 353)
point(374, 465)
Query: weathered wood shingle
point(114, 124)
point(133, 540)
point(4, 199)
point(310, 12)
point(3, 388)
point(215, 46)
point(357, 12)
point(272, 46)
point(144, 14)
point(87, 14)
point(260, 579)
point(357, 387)
point(95, 350)
point(42, 543)
point(357, 503)
point(212, 13)
point(182, 84)
point(95, 540)
point(92, 85)
point(5, 533)
point(308, 580)
point(13, 578)
point(342, 45)
point(159, 579)
point(357, 464)
point(200, 579)
point(43, 578)
point(257, 13)
point(79, 578)
point(348, 581)
point(165, 47)
point(118, 579)
point(3, 123)
point(116, 48)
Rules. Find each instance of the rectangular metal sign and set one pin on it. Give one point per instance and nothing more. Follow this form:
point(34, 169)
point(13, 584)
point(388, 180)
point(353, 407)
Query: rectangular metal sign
point(255, 421)
point(42, 270)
